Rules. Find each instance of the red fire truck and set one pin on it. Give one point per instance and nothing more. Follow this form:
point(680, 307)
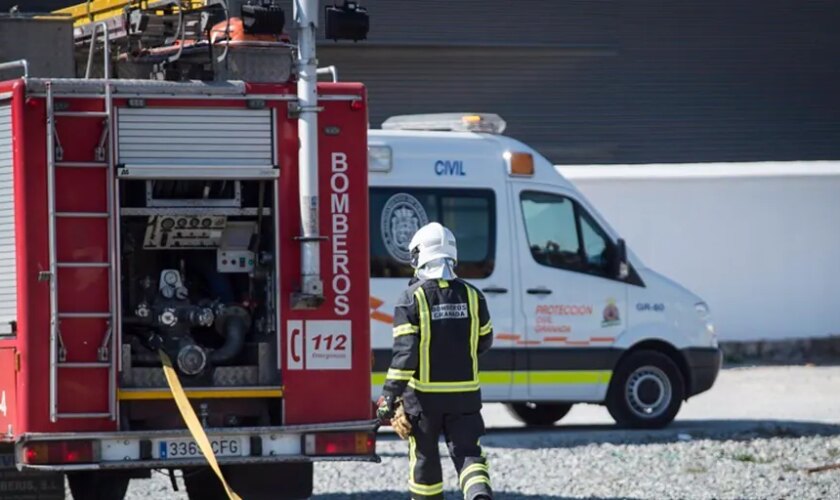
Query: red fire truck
point(161, 203)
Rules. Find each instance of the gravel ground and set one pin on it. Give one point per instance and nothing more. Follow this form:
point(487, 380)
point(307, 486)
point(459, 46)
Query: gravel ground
point(556, 465)
point(752, 436)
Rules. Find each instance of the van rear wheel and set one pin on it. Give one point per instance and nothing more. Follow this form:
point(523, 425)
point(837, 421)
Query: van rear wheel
point(646, 391)
point(538, 414)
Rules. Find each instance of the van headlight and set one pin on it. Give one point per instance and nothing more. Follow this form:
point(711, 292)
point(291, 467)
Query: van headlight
point(705, 316)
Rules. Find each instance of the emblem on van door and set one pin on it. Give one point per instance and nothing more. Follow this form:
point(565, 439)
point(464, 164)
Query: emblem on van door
point(612, 315)
point(402, 216)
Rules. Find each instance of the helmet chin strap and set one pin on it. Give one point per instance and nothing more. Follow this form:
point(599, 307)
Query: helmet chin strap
point(438, 269)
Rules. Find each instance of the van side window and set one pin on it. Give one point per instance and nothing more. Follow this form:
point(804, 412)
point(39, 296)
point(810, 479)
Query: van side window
point(396, 213)
point(562, 235)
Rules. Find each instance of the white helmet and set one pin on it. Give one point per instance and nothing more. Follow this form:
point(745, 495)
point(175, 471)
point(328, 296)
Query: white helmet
point(432, 242)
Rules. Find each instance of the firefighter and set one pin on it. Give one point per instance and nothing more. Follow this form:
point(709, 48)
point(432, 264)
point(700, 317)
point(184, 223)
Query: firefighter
point(441, 326)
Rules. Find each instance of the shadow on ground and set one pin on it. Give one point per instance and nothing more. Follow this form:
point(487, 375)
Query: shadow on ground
point(565, 436)
point(449, 495)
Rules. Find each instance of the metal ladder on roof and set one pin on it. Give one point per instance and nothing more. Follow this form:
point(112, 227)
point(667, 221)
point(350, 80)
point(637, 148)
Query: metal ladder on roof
point(106, 352)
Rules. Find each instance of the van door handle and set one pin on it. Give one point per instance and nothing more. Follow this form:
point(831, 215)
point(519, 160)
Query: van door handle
point(538, 291)
point(494, 289)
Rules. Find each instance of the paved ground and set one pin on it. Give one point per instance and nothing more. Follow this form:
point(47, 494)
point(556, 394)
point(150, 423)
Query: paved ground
point(752, 436)
point(759, 393)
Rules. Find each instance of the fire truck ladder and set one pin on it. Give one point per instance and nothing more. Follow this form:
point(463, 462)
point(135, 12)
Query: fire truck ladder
point(103, 159)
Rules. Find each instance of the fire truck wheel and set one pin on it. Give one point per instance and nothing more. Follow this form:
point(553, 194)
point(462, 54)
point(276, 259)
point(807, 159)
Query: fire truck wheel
point(94, 485)
point(289, 481)
point(538, 414)
point(646, 391)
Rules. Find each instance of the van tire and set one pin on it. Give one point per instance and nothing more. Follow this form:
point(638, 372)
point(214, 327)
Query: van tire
point(538, 414)
point(97, 485)
point(646, 391)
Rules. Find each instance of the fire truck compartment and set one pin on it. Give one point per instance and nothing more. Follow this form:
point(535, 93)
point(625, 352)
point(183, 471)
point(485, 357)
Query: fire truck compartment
point(198, 266)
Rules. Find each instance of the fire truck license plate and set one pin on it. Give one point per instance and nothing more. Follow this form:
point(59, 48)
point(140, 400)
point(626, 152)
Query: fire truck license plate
point(188, 448)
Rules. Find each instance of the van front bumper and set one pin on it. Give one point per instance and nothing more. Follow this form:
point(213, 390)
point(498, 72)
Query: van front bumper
point(703, 367)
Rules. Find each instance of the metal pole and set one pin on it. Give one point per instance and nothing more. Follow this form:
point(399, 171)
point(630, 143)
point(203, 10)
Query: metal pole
point(329, 70)
point(20, 63)
point(306, 20)
point(53, 258)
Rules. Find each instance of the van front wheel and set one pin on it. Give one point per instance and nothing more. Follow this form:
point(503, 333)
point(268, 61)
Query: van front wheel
point(538, 414)
point(646, 391)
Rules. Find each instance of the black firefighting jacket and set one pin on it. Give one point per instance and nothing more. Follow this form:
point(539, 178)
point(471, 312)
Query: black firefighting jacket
point(440, 329)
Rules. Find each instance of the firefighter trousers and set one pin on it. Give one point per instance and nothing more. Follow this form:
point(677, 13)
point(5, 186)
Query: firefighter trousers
point(462, 433)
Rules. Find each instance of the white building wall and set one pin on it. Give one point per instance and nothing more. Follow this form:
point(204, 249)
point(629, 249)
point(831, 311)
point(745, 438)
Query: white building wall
point(760, 242)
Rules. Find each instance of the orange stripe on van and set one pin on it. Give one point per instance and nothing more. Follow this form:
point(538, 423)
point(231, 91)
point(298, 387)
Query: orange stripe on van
point(602, 339)
point(555, 339)
point(507, 336)
point(577, 342)
point(380, 316)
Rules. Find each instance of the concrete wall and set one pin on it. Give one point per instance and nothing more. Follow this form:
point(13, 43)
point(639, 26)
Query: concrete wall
point(760, 242)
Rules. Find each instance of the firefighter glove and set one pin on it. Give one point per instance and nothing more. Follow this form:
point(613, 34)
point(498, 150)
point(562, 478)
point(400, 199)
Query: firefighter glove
point(400, 422)
point(385, 409)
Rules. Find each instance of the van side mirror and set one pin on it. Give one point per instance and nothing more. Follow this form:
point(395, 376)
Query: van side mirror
point(622, 269)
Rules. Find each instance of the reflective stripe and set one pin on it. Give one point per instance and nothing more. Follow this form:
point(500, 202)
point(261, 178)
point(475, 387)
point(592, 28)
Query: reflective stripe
point(406, 329)
point(412, 458)
point(395, 374)
point(474, 481)
point(547, 377)
point(443, 283)
point(563, 377)
point(570, 377)
point(468, 386)
point(425, 489)
point(470, 469)
point(472, 299)
point(484, 330)
point(425, 333)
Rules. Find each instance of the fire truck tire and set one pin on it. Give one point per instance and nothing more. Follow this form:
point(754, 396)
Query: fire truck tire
point(94, 485)
point(288, 481)
point(538, 414)
point(646, 391)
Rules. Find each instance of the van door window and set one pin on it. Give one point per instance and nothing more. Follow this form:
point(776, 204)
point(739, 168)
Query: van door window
point(596, 245)
point(552, 230)
point(396, 213)
point(562, 235)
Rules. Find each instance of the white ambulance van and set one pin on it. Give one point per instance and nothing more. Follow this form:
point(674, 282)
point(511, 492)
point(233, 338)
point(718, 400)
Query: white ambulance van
point(577, 317)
